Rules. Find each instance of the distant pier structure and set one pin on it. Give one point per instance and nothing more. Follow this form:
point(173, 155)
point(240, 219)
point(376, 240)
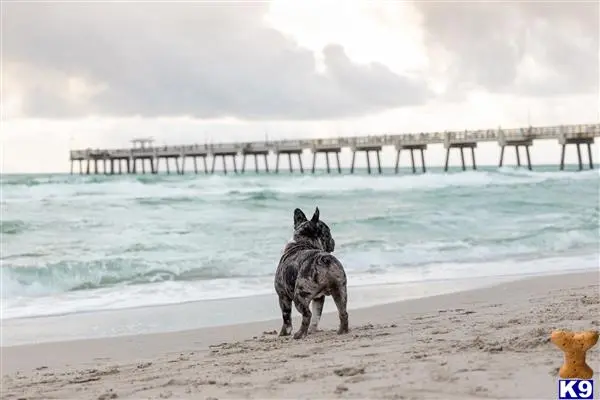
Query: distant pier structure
point(143, 151)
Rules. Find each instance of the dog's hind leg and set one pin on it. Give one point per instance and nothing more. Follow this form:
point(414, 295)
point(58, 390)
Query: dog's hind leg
point(285, 304)
point(340, 297)
point(302, 303)
point(317, 310)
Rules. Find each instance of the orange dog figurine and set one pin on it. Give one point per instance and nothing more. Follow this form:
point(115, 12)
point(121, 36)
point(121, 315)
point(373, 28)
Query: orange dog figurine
point(575, 345)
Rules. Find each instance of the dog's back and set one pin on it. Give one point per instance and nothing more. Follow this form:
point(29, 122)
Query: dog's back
point(313, 267)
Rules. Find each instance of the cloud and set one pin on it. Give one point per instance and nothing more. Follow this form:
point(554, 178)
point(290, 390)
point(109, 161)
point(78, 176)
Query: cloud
point(200, 60)
point(528, 48)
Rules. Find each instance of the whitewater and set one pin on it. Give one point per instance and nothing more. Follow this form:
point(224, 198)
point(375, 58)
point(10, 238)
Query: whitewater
point(86, 244)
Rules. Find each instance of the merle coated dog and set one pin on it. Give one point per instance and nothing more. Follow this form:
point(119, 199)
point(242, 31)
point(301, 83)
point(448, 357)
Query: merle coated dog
point(307, 271)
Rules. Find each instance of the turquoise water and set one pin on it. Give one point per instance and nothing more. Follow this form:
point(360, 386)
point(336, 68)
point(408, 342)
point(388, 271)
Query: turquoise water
point(74, 244)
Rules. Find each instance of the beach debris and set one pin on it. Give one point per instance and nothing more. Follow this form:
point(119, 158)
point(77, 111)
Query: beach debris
point(349, 371)
point(176, 382)
point(181, 357)
point(108, 395)
point(273, 332)
point(41, 368)
point(575, 346)
point(489, 347)
point(533, 338)
point(341, 389)
point(300, 355)
point(587, 300)
point(94, 374)
point(287, 379)
point(144, 365)
point(382, 334)
point(85, 379)
point(218, 345)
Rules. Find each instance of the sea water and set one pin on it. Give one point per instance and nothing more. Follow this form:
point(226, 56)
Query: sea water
point(77, 248)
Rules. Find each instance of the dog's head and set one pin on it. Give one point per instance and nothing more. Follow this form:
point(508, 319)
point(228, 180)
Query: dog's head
point(313, 230)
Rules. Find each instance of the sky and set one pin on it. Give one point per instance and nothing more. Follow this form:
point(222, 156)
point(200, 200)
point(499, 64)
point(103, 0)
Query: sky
point(100, 73)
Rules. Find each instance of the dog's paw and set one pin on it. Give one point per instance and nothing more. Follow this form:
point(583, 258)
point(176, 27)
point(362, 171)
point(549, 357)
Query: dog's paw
point(342, 331)
point(299, 335)
point(285, 331)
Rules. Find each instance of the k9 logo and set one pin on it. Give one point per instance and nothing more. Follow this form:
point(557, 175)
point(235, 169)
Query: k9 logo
point(571, 389)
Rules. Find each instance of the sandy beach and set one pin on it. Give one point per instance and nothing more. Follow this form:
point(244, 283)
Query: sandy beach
point(478, 344)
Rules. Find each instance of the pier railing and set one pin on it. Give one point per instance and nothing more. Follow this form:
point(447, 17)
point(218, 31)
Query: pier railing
point(423, 138)
point(524, 136)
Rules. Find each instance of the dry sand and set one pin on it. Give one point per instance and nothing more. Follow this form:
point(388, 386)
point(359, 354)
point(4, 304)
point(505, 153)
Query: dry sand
point(485, 343)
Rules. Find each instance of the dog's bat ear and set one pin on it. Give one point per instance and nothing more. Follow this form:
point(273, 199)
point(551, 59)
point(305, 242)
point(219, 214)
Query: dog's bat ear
point(315, 217)
point(299, 217)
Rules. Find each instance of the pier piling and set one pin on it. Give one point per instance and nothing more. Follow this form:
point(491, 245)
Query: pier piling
point(577, 141)
point(326, 149)
point(244, 163)
point(182, 168)
point(195, 159)
point(367, 148)
point(461, 147)
point(197, 152)
point(517, 144)
point(223, 155)
point(412, 149)
point(290, 153)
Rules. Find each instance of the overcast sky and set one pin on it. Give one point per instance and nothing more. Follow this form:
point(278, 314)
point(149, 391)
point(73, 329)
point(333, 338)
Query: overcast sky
point(97, 74)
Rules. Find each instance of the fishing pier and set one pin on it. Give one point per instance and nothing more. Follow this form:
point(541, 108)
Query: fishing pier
point(133, 160)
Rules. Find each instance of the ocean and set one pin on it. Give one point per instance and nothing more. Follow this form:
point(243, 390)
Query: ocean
point(95, 256)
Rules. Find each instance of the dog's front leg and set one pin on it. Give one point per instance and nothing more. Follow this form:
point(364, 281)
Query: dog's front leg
point(302, 305)
point(285, 304)
point(317, 310)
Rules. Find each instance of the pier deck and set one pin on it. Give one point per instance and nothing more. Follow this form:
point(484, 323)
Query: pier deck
point(143, 150)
